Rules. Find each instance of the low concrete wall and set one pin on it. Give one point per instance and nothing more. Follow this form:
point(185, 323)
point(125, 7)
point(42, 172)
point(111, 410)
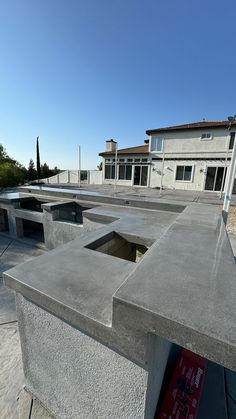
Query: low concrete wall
point(60, 232)
point(56, 231)
point(76, 376)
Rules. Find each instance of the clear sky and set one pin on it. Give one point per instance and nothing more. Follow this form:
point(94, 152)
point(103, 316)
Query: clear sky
point(83, 71)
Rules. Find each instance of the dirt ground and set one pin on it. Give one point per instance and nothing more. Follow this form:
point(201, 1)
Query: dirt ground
point(231, 224)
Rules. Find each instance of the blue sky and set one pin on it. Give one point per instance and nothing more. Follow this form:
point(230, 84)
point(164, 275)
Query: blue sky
point(81, 72)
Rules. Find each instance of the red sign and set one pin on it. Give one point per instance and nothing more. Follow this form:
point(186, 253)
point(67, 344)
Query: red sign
point(184, 391)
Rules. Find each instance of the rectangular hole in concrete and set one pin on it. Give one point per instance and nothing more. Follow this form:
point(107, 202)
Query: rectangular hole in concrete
point(32, 204)
point(117, 245)
point(33, 230)
point(4, 225)
point(72, 212)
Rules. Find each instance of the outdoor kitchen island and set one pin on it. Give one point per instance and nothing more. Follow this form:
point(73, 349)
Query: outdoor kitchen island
point(98, 315)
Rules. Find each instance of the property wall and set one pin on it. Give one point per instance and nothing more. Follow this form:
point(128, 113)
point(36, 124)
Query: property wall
point(190, 144)
point(95, 177)
point(198, 179)
point(68, 176)
point(72, 176)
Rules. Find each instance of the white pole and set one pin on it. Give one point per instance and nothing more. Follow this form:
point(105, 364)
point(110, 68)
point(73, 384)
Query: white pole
point(115, 168)
point(163, 162)
point(230, 185)
point(224, 173)
point(79, 171)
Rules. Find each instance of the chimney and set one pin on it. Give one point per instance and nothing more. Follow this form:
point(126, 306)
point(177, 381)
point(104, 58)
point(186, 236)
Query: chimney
point(111, 145)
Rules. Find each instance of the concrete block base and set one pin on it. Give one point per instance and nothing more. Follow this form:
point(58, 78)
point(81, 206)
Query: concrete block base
point(75, 376)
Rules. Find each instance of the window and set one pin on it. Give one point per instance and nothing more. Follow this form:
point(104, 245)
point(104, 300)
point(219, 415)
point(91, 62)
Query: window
point(121, 160)
point(206, 136)
point(137, 160)
point(231, 141)
point(129, 160)
point(125, 172)
point(184, 173)
point(107, 160)
point(109, 171)
point(156, 144)
point(144, 160)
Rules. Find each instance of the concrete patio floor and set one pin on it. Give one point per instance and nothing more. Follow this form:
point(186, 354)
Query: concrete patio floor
point(203, 197)
point(14, 402)
point(17, 403)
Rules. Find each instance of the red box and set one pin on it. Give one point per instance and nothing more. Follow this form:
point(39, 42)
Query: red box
point(183, 395)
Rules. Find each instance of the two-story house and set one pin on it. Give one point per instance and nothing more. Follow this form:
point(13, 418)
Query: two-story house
point(192, 157)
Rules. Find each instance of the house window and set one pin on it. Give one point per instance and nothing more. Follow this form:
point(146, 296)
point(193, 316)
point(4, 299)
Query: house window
point(109, 171)
point(125, 172)
point(231, 141)
point(137, 160)
point(130, 160)
point(156, 143)
point(121, 160)
point(184, 173)
point(144, 160)
point(206, 136)
point(107, 160)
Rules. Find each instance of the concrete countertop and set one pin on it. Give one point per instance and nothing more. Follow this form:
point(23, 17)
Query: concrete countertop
point(183, 289)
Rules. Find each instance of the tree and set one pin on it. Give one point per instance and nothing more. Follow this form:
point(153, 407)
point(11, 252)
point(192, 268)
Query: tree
point(38, 167)
point(31, 174)
point(45, 171)
point(99, 166)
point(12, 173)
point(56, 170)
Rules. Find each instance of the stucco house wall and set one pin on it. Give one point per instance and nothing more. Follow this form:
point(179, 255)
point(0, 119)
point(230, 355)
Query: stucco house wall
point(169, 175)
point(190, 142)
point(199, 145)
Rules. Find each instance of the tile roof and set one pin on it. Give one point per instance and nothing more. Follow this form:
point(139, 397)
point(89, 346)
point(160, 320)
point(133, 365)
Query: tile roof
point(142, 149)
point(194, 125)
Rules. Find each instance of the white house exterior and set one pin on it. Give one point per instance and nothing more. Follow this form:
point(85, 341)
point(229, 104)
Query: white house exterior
point(190, 157)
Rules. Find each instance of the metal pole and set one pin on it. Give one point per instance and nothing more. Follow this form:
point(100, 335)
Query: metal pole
point(163, 162)
point(230, 185)
point(115, 169)
point(79, 171)
point(226, 159)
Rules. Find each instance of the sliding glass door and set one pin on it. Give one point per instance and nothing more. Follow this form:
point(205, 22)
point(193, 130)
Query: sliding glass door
point(140, 175)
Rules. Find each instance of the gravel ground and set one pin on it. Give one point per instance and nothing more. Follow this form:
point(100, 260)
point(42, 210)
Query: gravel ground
point(231, 224)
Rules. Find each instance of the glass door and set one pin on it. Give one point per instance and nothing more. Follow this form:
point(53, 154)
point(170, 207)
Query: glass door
point(210, 179)
point(215, 178)
point(144, 175)
point(137, 170)
point(140, 175)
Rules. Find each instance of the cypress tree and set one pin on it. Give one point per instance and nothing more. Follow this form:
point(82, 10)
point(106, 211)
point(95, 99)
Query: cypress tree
point(38, 159)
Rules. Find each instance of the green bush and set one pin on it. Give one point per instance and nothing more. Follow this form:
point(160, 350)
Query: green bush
point(11, 174)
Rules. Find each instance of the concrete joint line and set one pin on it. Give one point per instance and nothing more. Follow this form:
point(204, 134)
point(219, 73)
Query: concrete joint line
point(9, 244)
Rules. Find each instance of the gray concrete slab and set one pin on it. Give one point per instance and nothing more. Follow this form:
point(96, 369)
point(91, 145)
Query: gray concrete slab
point(11, 377)
point(11, 253)
point(232, 238)
point(195, 289)
point(186, 266)
point(18, 251)
point(170, 293)
point(92, 298)
point(30, 408)
point(7, 304)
